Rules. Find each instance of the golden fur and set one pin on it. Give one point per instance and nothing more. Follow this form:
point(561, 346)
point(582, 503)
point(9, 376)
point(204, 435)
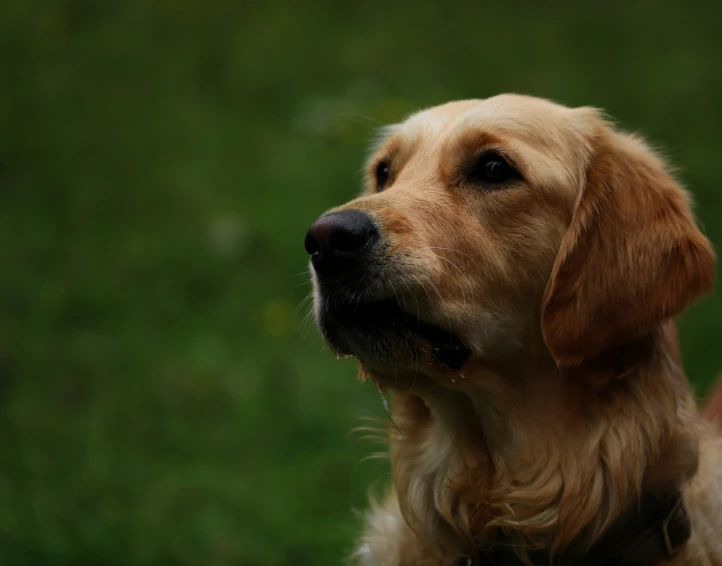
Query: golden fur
point(564, 287)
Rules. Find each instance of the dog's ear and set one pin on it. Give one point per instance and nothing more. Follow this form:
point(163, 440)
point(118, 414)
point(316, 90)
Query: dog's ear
point(631, 258)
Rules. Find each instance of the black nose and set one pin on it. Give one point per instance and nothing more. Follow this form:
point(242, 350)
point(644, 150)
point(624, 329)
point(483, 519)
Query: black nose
point(338, 240)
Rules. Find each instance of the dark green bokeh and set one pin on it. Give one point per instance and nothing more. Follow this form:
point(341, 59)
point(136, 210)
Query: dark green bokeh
point(163, 401)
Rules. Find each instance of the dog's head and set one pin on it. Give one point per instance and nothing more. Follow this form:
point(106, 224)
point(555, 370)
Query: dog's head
point(492, 228)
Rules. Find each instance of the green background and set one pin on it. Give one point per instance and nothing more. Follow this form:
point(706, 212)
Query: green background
point(162, 400)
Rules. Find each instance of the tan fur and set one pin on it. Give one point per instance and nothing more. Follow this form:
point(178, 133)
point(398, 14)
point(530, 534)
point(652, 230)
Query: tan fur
point(564, 287)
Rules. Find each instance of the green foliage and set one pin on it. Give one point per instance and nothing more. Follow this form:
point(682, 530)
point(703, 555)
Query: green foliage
point(163, 401)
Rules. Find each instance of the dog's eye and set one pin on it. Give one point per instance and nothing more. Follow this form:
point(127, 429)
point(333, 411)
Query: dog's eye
point(382, 175)
point(492, 169)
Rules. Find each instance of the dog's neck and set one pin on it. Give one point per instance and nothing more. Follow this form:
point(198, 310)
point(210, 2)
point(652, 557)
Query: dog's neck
point(540, 456)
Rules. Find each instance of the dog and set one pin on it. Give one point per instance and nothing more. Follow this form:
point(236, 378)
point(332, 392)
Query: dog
point(512, 274)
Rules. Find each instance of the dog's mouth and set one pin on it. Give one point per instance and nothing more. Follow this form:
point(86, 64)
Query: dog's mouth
point(382, 332)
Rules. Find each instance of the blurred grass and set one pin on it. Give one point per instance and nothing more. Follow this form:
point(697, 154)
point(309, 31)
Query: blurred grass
point(162, 402)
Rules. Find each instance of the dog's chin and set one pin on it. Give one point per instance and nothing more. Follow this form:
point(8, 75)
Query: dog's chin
point(385, 338)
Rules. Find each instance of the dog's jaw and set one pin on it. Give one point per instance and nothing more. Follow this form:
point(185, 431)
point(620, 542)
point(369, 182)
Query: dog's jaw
point(386, 338)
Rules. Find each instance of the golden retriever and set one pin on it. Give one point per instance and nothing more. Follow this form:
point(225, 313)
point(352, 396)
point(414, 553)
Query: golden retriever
point(512, 274)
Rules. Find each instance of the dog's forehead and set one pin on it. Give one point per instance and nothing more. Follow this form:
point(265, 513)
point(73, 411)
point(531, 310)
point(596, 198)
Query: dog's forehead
point(519, 115)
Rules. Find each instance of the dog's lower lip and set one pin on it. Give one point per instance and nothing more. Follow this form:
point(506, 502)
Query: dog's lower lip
point(386, 320)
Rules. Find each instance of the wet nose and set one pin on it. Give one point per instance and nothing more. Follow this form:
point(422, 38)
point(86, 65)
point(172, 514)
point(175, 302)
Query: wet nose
point(338, 241)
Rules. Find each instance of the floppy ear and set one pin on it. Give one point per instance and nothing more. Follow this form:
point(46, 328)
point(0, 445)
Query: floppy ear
point(631, 258)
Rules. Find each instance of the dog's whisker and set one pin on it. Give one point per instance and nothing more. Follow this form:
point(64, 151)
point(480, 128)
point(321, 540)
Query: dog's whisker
point(376, 456)
point(305, 322)
point(385, 404)
point(447, 260)
point(435, 288)
point(359, 119)
point(461, 287)
point(308, 297)
point(424, 288)
point(456, 252)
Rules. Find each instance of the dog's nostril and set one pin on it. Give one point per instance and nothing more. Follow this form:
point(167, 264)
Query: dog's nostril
point(337, 240)
point(311, 244)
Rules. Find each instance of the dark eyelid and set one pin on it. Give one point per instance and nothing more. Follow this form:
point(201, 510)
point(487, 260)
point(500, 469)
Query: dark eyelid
point(501, 153)
point(469, 161)
point(374, 173)
point(376, 163)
